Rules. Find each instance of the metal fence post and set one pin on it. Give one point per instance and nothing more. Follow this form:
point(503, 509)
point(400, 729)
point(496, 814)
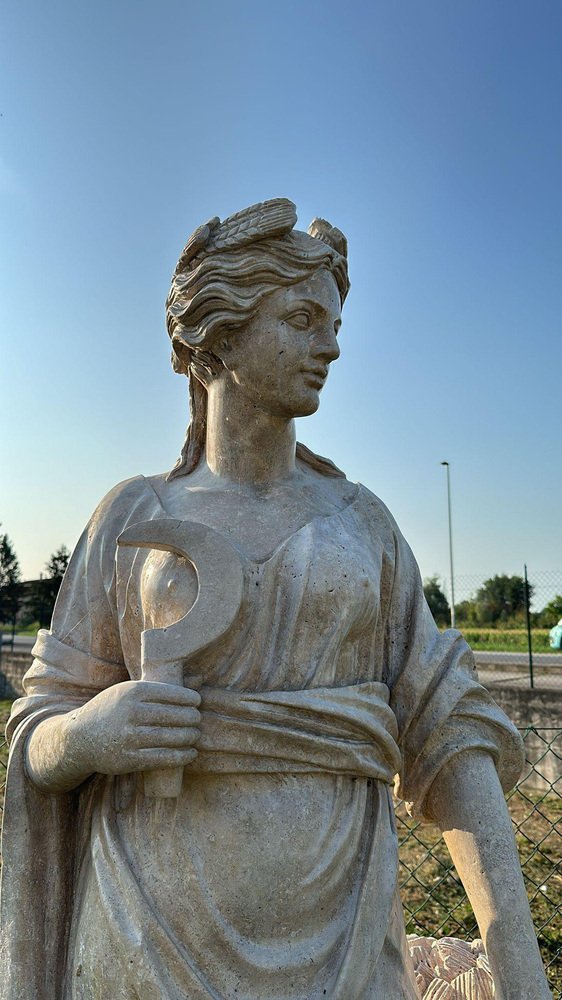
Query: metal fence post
point(529, 637)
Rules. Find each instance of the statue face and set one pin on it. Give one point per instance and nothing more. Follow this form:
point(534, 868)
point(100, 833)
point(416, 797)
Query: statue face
point(280, 360)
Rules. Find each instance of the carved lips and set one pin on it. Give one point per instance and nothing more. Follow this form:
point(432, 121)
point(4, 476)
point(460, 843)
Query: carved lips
point(315, 376)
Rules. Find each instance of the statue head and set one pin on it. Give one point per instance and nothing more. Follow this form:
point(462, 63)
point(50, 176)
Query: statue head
point(223, 274)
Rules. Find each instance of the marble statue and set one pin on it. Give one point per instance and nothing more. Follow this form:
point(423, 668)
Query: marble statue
point(240, 666)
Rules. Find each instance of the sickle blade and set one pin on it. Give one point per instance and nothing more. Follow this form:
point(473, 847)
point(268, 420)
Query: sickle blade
point(221, 585)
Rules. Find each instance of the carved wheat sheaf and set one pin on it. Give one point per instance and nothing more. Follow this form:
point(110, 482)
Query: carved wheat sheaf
point(196, 242)
point(266, 220)
point(320, 229)
point(262, 221)
point(450, 969)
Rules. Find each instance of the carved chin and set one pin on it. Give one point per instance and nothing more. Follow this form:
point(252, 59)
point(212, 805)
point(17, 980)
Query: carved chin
point(309, 403)
point(300, 408)
point(310, 407)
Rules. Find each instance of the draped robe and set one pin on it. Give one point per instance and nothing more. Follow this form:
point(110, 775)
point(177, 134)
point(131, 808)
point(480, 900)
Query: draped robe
point(274, 874)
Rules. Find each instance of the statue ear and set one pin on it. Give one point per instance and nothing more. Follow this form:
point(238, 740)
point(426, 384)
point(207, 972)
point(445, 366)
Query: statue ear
point(227, 358)
point(225, 348)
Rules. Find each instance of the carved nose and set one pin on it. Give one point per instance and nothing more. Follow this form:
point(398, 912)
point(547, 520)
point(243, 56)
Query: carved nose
point(330, 349)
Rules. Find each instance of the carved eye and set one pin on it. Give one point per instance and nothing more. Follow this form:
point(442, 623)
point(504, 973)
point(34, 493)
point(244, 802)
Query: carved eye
point(300, 320)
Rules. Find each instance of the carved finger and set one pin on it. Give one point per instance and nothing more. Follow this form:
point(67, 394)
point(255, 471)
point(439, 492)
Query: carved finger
point(156, 757)
point(156, 714)
point(175, 737)
point(169, 694)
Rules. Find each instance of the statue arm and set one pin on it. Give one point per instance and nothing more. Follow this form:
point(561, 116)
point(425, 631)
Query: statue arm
point(458, 751)
point(131, 726)
point(98, 719)
point(467, 803)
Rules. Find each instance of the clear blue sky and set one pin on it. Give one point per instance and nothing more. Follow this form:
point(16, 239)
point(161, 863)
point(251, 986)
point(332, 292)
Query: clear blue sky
point(429, 132)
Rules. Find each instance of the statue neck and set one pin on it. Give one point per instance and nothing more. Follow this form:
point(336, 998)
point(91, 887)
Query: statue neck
point(244, 443)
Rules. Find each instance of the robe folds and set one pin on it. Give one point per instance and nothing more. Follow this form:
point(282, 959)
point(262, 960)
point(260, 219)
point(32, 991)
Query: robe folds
point(274, 875)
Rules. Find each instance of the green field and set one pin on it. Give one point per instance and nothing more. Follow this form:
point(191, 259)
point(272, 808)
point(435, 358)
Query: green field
point(509, 640)
point(31, 630)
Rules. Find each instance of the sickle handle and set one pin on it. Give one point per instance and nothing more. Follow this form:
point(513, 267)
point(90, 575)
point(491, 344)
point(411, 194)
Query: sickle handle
point(165, 651)
point(166, 782)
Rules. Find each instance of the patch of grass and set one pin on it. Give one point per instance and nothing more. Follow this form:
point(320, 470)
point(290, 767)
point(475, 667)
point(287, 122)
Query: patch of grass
point(30, 630)
point(509, 640)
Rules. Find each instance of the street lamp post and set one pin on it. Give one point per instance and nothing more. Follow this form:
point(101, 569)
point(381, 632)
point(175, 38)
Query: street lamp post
point(446, 464)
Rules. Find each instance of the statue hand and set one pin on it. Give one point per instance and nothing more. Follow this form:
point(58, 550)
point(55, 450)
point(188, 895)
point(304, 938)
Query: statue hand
point(132, 726)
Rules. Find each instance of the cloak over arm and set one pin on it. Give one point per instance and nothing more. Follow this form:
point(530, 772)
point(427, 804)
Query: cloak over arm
point(41, 837)
point(441, 708)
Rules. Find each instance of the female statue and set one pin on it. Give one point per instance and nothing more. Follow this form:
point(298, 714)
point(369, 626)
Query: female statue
point(272, 873)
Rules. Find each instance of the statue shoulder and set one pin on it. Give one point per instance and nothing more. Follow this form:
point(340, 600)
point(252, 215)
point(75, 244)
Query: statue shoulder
point(377, 512)
point(383, 525)
point(118, 503)
point(129, 501)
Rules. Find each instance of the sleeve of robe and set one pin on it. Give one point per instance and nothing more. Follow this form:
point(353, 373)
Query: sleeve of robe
point(78, 657)
point(441, 708)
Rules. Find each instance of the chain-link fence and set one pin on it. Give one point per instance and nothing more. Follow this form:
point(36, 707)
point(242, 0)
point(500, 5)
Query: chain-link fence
point(507, 620)
point(432, 895)
point(544, 587)
point(507, 624)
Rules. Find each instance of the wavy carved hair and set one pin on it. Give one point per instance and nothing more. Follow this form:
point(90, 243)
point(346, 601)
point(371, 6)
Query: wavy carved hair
point(219, 293)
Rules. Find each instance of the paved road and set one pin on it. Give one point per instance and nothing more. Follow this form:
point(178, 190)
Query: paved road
point(491, 676)
point(518, 659)
point(505, 668)
point(21, 642)
point(482, 659)
point(512, 669)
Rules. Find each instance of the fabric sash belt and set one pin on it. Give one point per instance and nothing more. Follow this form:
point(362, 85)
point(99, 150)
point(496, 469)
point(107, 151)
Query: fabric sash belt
point(347, 730)
point(336, 730)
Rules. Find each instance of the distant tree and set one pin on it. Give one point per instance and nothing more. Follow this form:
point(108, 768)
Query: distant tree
point(466, 612)
point(552, 613)
point(10, 587)
point(438, 603)
point(56, 567)
point(37, 605)
point(43, 592)
point(501, 598)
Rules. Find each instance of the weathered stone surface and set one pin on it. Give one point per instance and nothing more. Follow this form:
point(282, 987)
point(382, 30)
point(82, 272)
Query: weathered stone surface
point(305, 674)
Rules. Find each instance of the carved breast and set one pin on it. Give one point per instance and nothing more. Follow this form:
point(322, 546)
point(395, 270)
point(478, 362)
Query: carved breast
point(168, 588)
